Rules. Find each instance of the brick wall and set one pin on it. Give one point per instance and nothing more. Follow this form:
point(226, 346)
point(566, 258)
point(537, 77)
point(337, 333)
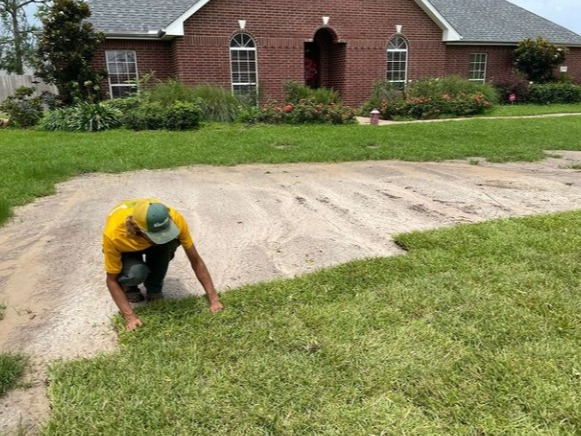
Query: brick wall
point(353, 51)
point(499, 60)
point(573, 63)
point(353, 45)
point(356, 41)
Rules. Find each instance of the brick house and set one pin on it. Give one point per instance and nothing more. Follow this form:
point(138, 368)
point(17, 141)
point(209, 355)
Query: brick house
point(340, 44)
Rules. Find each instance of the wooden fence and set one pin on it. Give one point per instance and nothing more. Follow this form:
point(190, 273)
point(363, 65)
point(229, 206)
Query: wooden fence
point(9, 84)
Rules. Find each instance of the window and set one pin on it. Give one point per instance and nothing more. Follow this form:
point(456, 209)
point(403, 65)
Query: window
point(122, 69)
point(477, 72)
point(243, 66)
point(397, 61)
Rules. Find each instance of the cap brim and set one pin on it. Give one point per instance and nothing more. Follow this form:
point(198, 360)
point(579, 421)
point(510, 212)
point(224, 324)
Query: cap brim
point(164, 236)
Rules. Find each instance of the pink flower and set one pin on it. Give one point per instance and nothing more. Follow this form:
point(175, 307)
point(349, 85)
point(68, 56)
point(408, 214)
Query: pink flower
point(288, 108)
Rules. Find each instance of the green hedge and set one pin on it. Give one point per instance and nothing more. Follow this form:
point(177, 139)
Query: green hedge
point(553, 93)
point(154, 116)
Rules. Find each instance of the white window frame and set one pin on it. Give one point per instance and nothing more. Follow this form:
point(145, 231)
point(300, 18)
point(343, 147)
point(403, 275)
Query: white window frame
point(477, 67)
point(397, 45)
point(133, 77)
point(247, 45)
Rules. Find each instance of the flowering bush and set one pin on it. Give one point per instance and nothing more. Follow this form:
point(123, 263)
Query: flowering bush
point(305, 111)
point(302, 105)
point(462, 105)
point(431, 98)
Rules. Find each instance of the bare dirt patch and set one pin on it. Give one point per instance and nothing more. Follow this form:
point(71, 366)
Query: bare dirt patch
point(250, 223)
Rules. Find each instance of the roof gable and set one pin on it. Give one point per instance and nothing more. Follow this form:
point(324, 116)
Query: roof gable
point(461, 21)
point(141, 18)
point(499, 21)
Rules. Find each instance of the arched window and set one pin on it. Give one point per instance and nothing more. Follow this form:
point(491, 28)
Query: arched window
point(243, 66)
point(397, 61)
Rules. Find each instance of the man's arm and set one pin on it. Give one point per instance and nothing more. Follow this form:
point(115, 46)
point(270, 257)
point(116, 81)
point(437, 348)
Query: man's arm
point(204, 278)
point(120, 299)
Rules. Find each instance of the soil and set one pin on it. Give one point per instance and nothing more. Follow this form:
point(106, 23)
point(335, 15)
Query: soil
point(250, 223)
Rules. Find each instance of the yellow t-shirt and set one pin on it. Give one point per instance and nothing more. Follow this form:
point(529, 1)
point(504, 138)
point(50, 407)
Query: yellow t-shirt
point(117, 241)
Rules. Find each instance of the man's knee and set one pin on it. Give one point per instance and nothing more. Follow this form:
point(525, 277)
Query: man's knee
point(134, 275)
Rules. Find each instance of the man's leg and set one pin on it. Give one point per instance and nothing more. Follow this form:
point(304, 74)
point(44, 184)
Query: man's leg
point(157, 258)
point(134, 272)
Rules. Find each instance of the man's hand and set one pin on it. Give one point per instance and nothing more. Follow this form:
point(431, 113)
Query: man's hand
point(132, 322)
point(216, 307)
point(204, 278)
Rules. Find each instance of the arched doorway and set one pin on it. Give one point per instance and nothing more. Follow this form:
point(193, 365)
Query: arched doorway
point(324, 59)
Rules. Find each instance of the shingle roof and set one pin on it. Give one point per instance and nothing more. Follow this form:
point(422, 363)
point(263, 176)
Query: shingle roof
point(136, 17)
point(499, 21)
point(486, 21)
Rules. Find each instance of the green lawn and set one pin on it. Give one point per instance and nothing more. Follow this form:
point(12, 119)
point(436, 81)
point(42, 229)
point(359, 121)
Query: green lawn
point(32, 162)
point(532, 109)
point(474, 331)
point(11, 365)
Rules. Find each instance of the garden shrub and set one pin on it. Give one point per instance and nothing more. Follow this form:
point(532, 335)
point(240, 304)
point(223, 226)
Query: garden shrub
point(428, 108)
point(22, 108)
point(537, 58)
point(182, 116)
point(58, 119)
point(513, 83)
point(85, 117)
point(168, 92)
point(305, 111)
point(385, 97)
point(431, 98)
point(124, 104)
point(555, 93)
point(302, 105)
point(451, 86)
point(217, 103)
point(175, 106)
point(154, 116)
point(94, 117)
point(148, 116)
point(295, 92)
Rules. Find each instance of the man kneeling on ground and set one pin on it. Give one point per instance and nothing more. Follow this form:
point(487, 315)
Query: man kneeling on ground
point(139, 240)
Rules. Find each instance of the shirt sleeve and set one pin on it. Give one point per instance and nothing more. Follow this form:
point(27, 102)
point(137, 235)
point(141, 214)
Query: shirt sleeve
point(185, 236)
point(113, 264)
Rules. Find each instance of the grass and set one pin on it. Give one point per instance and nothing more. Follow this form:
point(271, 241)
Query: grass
point(11, 365)
point(474, 331)
point(32, 162)
point(518, 110)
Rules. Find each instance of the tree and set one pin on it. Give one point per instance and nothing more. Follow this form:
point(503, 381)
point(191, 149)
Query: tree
point(65, 50)
point(537, 58)
point(16, 37)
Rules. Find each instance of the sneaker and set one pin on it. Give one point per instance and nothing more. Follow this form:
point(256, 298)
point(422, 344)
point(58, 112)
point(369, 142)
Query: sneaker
point(154, 296)
point(134, 296)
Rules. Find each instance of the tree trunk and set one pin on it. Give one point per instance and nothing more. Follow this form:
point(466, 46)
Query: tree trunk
point(18, 52)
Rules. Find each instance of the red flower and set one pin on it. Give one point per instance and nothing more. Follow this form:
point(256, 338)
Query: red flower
point(288, 108)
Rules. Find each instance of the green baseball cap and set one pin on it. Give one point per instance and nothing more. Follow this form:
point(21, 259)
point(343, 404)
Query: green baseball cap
point(153, 218)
